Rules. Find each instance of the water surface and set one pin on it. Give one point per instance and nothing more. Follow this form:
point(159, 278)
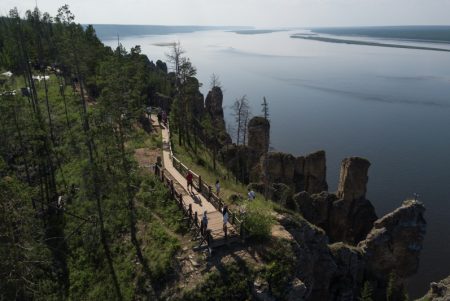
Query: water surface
point(389, 105)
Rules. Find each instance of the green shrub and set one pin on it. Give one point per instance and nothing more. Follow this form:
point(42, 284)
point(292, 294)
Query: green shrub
point(258, 220)
point(280, 269)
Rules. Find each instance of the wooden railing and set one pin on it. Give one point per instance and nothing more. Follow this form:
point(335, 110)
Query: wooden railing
point(192, 216)
point(206, 190)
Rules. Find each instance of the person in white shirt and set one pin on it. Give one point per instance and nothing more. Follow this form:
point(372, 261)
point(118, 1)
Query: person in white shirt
point(251, 195)
point(217, 187)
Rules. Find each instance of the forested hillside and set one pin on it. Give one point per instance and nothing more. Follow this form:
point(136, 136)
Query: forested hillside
point(94, 187)
point(72, 114)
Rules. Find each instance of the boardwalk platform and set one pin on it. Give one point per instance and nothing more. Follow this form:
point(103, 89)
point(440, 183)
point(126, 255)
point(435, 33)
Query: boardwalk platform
point(195, 199)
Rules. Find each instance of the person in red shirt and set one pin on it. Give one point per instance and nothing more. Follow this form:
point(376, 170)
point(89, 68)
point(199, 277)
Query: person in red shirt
point(189, 178)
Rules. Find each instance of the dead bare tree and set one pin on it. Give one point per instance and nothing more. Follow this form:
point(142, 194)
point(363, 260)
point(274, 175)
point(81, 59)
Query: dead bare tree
point(215, 81)
point(241, 112)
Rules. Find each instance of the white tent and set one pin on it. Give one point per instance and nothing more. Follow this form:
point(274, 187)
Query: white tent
point(7, 73)
point(39, 78)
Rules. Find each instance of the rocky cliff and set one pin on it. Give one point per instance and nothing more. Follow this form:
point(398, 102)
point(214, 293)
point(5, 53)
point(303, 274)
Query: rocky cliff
point(353, 179)
point(346, 215)
point(337, 271)
point(305, 173)
point(395, 241)
point(213, 106)
point(439, 291)
point(259, 134)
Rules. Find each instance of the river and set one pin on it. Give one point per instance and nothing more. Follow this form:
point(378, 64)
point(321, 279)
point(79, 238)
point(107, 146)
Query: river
point(389, 105)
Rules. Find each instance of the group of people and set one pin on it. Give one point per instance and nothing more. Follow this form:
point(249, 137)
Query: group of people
point(225, 217)
point(225, 213)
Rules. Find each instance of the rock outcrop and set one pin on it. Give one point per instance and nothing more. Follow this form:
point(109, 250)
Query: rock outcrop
point(350, 221)
point(439, 291)
point(395, 242)
point(258, 128)
point(349, 273)
point(347, 221)
point(238, 159)
point(280, 167)
point(213, 106)
point(346, 216)
point(277, 192)
point(315, 172)
point(326, 272)
point(300, 174)
point(314, 265)
point(338, 271)
point(353, 179)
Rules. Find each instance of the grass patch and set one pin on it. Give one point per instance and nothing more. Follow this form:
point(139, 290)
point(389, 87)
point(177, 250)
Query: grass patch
point(156, 199)
point(258, 219)
point(160, 249)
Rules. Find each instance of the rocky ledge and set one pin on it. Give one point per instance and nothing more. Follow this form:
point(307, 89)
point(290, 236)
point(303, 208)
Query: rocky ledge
point(439, 291)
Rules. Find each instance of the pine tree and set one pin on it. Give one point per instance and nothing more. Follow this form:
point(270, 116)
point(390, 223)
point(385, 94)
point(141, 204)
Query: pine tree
point(367, 292)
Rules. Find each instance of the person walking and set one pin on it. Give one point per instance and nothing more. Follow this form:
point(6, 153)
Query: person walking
point(159, 116)
point(225, 220)
point(189, 179)
point(164, 118)
point(204, 223)
point(217, 187)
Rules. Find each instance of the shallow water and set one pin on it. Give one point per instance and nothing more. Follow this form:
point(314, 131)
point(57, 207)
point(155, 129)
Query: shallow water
point(389, 105)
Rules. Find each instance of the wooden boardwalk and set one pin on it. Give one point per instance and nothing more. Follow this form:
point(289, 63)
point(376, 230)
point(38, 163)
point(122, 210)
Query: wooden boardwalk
point(195, 199)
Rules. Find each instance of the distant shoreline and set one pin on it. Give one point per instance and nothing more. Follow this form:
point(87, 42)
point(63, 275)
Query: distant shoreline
point(363, 43)
point(256, 31)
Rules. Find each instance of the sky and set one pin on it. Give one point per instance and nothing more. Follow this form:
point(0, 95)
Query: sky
point(259, 13)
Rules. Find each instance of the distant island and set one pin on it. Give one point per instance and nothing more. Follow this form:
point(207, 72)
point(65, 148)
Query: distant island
point(365, 43)
point(111, 31)
point(256, 31)
point(423, 33)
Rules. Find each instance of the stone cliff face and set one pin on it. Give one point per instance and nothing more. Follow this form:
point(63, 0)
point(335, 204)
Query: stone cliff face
point(243, 160)
point(353, 179)
point(338, 271)
point(213, 106)
point(314, 172)
point(329, 272)
point(280, 167)
point(300, 174)
point(395, 241)
point(346, 216)
point(258, 128)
